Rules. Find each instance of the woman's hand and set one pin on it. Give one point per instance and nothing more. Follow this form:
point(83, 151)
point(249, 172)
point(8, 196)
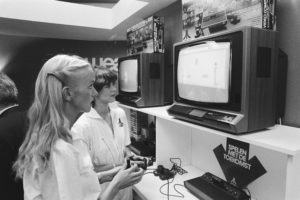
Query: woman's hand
point(127, 177)
point(108, 175)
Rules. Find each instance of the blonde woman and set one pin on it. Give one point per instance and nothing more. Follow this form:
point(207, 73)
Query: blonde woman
point(51, 167)
point(104, 131)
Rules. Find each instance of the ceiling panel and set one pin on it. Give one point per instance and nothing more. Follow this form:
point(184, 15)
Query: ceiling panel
point(91, 1)
point(22, 27)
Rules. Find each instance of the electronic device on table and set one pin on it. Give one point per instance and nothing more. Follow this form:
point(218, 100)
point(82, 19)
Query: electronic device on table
point(164, 173)
point(228, 80)
point(141, 162)
point(142, 80)
point(211, 187)
point(131, 160)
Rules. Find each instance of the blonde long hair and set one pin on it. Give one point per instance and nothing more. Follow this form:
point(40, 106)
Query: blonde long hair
point(47, 122)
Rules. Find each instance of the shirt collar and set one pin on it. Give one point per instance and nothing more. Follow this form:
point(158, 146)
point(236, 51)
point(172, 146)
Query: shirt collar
point(5, 109)
point(93, 114)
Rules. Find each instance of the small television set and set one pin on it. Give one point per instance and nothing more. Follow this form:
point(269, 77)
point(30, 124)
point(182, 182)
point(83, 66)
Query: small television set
point(141, 80)
point(227, 80)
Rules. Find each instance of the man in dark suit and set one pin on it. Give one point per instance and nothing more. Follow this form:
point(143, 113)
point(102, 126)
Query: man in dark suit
point(12, 132)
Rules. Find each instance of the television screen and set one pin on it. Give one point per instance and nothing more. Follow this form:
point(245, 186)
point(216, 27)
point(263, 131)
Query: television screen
point(203, 72)
point(128, 75)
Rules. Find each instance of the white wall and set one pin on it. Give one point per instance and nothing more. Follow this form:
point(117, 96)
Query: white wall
point(288, 26)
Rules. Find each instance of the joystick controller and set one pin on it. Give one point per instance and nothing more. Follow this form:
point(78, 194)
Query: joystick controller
point(131, 160)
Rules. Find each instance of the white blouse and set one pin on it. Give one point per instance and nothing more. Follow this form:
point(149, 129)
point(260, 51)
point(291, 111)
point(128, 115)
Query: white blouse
point(69, 176)
point(106, 146)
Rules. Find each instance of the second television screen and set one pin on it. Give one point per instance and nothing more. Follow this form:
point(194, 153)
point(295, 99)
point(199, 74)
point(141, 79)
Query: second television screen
point(128, 75)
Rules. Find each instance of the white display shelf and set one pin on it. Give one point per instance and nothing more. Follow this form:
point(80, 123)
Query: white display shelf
point(149, 187)
point(284, 139)
point(277, 148)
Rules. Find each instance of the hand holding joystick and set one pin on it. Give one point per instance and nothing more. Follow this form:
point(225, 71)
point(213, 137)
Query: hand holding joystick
point(141, 162)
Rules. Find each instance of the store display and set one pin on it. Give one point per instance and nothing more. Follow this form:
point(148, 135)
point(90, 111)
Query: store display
point(202, 18)
point(227, 81)
point(146, 36)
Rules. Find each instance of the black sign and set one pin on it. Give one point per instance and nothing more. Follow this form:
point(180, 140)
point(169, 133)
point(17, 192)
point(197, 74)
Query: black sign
point(238, 169)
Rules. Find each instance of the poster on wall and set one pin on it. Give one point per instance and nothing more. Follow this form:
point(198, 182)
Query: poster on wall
point(238, 168)
point(204, 17)
point(146, 36)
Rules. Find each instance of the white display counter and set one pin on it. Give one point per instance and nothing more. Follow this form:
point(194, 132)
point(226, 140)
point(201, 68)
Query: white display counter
point(277, 148)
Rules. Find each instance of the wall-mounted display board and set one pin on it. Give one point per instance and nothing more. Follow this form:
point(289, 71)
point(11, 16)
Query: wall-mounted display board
point(201, 17)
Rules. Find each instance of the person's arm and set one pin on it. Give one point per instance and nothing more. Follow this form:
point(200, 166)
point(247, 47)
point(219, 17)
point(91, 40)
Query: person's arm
point(103, 176)
point(123, 179)
point(66, 166)
point(108, 175)
point(108, 193)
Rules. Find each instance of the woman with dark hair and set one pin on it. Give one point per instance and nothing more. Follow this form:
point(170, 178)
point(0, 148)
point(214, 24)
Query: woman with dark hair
point(52, 168)
point(104, 131)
